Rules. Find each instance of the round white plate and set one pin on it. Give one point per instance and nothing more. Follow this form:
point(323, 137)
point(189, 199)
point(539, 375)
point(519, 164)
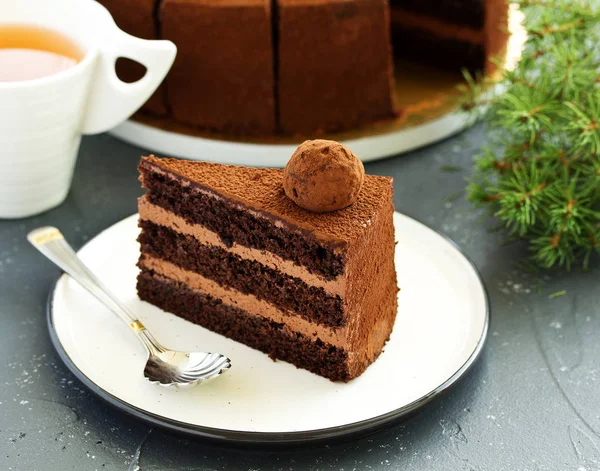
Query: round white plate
point(171, 144)
point(440, 330)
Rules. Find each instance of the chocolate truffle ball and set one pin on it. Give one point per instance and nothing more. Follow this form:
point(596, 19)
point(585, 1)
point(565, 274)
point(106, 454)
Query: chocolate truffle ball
point(323, 176)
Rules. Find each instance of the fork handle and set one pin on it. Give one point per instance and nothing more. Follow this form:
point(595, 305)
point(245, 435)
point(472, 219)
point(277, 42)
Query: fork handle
point(50, 242)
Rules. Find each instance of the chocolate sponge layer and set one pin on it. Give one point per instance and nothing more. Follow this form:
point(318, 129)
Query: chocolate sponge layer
point(247, 276)
point(259, 333)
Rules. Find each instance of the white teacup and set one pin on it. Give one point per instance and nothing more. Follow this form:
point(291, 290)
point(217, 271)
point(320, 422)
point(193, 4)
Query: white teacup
point(42, 120)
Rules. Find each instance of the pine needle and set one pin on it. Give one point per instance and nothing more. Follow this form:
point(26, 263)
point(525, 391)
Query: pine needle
point(558, 294)
point(455, 196)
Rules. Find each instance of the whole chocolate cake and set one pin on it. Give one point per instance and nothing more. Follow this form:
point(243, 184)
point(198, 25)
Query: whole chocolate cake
point(304, 67)
point(226, 248)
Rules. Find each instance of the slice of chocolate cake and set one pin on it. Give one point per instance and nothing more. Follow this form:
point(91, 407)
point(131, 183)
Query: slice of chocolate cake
point(224, 247)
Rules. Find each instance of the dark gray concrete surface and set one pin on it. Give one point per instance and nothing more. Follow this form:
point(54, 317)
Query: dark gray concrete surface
point(532, 401)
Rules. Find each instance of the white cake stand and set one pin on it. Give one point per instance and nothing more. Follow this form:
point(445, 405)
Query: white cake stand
point(172, 144)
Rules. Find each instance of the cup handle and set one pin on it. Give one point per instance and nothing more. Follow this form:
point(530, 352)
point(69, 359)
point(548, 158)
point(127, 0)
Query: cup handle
point(111, 100)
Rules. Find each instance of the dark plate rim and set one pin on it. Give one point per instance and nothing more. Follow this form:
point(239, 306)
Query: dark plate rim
point(354, 429)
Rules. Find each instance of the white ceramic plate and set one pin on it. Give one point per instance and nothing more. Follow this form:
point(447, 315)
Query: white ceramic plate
point(440, 330)
point(171, 144)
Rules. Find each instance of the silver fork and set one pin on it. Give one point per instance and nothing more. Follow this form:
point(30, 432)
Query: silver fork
point(165, 367)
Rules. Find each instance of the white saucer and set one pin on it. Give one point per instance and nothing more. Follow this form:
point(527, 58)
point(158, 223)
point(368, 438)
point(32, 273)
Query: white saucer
point(369, 148)
point(440, 330)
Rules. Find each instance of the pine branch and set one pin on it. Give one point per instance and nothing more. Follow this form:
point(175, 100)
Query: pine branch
point(539, 173)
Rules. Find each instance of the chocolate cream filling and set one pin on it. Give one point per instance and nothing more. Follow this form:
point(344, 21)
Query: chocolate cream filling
point(247, 302)
point(232, 271)
point(461, 12)
point(162, 217)
point(436, 27)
